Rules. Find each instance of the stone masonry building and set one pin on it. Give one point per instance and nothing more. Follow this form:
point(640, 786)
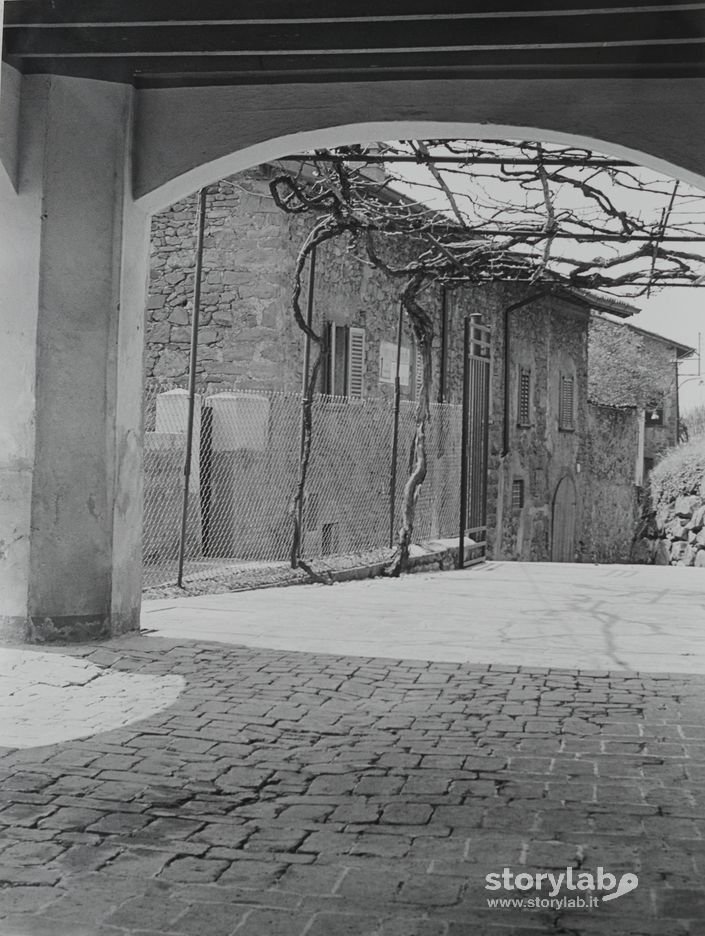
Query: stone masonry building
point(629, 366)
point(561, 455)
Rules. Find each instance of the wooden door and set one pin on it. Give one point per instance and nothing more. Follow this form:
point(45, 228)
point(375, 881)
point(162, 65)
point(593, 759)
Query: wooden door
point(563, 521)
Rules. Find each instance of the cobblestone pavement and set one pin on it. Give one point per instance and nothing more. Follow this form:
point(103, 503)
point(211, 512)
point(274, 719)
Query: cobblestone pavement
point(313, 795)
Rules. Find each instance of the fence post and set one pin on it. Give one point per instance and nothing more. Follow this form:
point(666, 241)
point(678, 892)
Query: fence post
point(193, 360)
point(395, 433)
point(464, 445)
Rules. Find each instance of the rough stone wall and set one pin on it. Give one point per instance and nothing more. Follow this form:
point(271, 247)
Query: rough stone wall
point(244, 339)
point(610, 501)
point(629, 368)
point(248, 338)
point(675, 534)
point(672, 531)
point(548, 336)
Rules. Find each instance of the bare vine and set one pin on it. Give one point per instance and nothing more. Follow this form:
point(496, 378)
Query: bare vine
point(472, 212)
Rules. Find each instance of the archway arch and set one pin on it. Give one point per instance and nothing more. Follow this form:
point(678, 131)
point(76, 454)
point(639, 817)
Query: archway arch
point(177, 185)
point(277, 147)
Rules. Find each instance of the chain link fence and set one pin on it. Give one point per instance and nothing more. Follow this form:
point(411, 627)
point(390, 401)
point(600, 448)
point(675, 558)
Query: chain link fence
point(245, 468)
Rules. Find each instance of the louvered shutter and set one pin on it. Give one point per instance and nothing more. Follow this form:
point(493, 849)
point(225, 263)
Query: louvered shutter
point(566, 404)
point(524, 401)
point(356, 363)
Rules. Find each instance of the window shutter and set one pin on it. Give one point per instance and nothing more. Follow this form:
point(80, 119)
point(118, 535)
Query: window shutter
point(356, 363)
point(517, 494)
point(326, 372)
point(524, 401)
point(566, 404)
point(418, 372)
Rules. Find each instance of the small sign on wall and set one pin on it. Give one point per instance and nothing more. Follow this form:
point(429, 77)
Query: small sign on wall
point(654, 416)
point(388, 363)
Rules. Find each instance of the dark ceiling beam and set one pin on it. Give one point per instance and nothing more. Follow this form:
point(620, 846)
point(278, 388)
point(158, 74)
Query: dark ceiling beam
point(119, 70)
point(325, 39)
point(135, 12)
point(164, 71)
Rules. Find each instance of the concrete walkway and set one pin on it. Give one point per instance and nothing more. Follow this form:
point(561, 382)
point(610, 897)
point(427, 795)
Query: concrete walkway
point(649, 618)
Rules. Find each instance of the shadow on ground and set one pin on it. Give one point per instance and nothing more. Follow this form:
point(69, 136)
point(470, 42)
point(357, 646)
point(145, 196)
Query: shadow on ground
point(314, 795)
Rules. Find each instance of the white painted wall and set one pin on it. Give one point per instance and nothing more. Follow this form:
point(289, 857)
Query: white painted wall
point(20, 233)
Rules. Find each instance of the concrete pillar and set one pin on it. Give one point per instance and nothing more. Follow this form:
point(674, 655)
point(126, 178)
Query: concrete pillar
point(72, 286)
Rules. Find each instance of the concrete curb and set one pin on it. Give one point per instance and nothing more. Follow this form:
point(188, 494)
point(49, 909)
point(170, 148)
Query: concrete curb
point(436, 557)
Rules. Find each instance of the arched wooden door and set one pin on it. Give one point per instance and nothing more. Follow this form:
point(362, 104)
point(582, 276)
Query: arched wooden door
point(563, 521)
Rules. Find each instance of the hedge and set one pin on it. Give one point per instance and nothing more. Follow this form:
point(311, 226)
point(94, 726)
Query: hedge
point(680, 472)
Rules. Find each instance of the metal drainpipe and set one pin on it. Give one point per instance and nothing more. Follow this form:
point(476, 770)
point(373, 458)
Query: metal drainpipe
point(395, 431)
point(193, 361)
point(678, 408)
point(507, 361)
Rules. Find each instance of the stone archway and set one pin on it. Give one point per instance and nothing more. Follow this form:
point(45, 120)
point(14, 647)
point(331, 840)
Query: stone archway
point(97, 159)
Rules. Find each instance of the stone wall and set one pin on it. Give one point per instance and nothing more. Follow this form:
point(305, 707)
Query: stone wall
point(672, 531)
point(675, 534)
point(549, 337)
point(248, 337)
point(610, 496)
point(630, 368)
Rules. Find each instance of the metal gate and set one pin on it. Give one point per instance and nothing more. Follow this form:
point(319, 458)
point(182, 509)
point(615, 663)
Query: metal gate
point(476, 406)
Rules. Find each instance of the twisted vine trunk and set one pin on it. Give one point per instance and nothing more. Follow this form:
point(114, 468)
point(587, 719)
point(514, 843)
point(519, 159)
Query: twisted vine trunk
point(422, 325)
point(307, 415)
point(419, 467)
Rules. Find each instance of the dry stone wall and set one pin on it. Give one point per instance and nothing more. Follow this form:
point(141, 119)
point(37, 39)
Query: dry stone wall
point(672, 531)
point(674, 534)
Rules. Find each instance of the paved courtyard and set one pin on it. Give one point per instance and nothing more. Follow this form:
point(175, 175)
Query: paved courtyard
point(544, 614)
point(304, 793)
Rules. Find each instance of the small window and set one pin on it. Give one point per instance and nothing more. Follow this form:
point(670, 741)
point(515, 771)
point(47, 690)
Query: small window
point(517, 494)
point(479, 341)
point(566, 404)
point(524, 401)
point(648, 467)
point(329, 539)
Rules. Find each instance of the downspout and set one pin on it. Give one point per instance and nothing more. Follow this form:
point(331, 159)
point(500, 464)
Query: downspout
point(202, 208)
point(507, 361)
point(678, 408)
point(499, 518)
